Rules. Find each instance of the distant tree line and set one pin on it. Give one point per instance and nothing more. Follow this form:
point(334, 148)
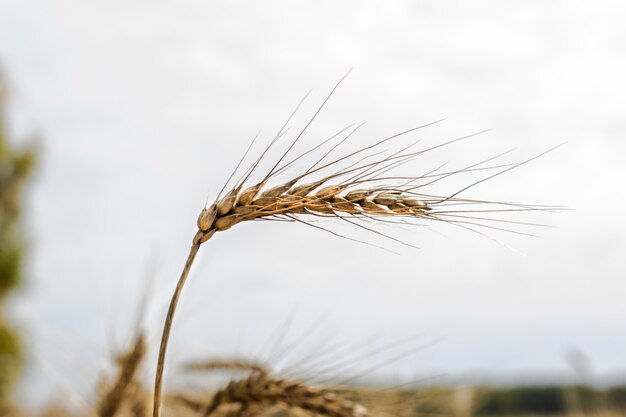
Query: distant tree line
point(549, 400)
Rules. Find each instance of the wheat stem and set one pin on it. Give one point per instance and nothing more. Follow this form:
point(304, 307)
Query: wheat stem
point(167, 327)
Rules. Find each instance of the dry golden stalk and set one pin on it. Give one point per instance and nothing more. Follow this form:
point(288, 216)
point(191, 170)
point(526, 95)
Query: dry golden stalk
point(356, 192)
point(125, 381)
point(229, 365)
point(259, 391)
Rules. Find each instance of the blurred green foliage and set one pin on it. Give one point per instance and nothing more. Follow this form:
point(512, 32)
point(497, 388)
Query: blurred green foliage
point(15, 168)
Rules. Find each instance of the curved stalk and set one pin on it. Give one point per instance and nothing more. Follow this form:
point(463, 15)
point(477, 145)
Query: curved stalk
point(167, 327)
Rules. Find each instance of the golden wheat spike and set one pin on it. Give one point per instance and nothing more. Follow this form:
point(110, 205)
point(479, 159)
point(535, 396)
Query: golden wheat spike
point(298, 199)
point(128, 365)
point(259, 390)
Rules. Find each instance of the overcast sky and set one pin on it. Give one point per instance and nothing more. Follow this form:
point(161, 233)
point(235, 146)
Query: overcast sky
point(143, 108)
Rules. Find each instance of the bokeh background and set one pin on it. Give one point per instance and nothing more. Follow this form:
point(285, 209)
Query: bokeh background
point(143, 108)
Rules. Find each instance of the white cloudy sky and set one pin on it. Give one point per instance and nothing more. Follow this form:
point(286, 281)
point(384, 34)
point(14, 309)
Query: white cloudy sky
point(144, 107)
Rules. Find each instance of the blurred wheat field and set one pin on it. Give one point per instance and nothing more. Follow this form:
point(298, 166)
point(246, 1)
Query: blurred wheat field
point(254, 390)
point(407, 223)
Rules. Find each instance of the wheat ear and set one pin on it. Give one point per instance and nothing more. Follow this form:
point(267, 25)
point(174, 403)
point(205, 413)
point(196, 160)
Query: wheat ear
point(261, 390)
point(356, 194)
point(128, 364)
